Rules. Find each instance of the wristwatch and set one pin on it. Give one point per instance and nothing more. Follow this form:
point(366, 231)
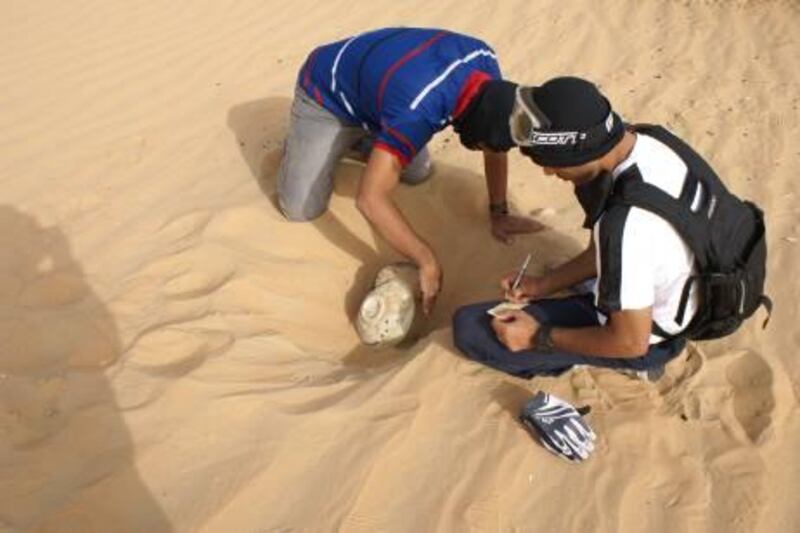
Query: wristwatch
point(542, 341)
point(498, 209)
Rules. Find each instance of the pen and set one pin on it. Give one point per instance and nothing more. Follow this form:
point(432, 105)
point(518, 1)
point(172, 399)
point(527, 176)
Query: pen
point(520, 273)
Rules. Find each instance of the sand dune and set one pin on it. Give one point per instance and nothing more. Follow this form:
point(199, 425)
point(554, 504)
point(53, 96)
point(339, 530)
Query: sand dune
point(174, 356)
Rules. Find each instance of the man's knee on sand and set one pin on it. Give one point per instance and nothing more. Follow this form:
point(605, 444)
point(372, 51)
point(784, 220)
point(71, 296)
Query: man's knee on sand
point(300, 206)
point(419, 169)
point(417, 172)
point(300, 210)
point(466, 327)
point(303, 189)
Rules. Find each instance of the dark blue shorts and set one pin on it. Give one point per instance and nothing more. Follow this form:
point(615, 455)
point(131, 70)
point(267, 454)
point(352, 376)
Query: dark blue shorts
point(473, 335)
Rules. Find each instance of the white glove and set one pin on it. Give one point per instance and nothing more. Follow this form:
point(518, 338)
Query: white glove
point(559, 426)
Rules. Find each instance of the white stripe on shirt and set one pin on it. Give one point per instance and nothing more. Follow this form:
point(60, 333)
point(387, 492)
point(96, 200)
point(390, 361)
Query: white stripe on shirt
point(432, 85)
point(346, 103)
point(336, 62)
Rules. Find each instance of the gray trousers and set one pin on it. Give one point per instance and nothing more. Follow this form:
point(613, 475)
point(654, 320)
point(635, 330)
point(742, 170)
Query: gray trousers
point(317, 139)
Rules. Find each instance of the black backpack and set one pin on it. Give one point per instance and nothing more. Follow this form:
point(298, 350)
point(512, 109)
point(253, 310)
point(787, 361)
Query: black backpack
point(726, 235)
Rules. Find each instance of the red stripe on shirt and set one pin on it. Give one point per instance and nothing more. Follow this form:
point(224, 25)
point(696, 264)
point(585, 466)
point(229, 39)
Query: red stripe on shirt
point(403, 158)
point(402, 138)
point(468, 91)
point(309, 66)
point(399, 63)
point(318, 96)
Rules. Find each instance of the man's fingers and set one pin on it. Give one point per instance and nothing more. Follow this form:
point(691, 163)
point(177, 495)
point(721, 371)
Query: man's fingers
point(503, 237)
point(427, 302)
point(506, 235)
point(498, 325)
point(517, 296)
point(533, 226)
point(506, 316)
point(507, 281)
point(526, 225)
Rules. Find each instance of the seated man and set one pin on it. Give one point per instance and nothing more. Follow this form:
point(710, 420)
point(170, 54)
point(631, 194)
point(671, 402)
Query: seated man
point(640, 262)
point(397, 87)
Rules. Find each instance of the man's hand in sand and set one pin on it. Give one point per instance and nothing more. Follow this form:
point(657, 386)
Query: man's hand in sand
point(430, 282)
point(515, 330)
point(529, 288)
point(504, 227)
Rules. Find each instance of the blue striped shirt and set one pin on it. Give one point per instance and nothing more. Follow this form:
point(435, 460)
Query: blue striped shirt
point(401, 84)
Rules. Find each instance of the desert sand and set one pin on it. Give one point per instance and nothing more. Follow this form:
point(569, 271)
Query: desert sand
point(174, 356)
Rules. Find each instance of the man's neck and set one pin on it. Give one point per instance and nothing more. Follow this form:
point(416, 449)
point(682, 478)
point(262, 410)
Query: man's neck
point(620, 152)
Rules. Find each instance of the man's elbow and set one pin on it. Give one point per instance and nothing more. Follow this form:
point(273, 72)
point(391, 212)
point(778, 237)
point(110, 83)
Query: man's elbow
point(367, 204)
point(634, 347)
point(631, 331)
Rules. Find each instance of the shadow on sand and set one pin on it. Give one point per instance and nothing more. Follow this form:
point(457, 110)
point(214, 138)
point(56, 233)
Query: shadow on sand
point(66, 456)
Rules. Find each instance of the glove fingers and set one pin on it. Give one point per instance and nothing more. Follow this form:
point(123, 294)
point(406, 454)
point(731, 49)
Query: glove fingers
point(557, 441)
point(583, 429)
point(565, 453)
point(559, 427)
point(584, 426)
point(546, 443)
point(579, 440)
point(544, 437)
point(577, 449)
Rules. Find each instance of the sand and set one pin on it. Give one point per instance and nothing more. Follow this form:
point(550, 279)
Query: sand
point(174, 356)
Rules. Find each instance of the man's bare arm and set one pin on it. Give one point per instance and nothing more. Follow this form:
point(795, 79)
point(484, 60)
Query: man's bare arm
point(376, 204)
point(625, 335)
point(495, 166)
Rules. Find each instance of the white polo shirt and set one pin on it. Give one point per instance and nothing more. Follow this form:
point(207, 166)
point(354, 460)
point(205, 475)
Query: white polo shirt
point(655, 261)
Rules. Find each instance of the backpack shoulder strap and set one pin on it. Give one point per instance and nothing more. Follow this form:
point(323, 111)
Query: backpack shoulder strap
point(692, 228)
point(676, 144)
point(697, 167)
point(631, 190)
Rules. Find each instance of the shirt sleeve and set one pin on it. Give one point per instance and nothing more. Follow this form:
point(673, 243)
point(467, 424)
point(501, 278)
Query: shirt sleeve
point(492, 68)
point(626, 274)
point(404, 138)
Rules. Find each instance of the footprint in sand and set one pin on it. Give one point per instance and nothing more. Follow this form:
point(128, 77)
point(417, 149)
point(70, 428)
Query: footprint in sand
point(673, 387)
point(672, 392)
point(740, 385)
point(753, 398)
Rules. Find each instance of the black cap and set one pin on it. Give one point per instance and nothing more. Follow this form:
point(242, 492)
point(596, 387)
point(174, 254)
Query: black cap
point(485, 120)
point(577, 124)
